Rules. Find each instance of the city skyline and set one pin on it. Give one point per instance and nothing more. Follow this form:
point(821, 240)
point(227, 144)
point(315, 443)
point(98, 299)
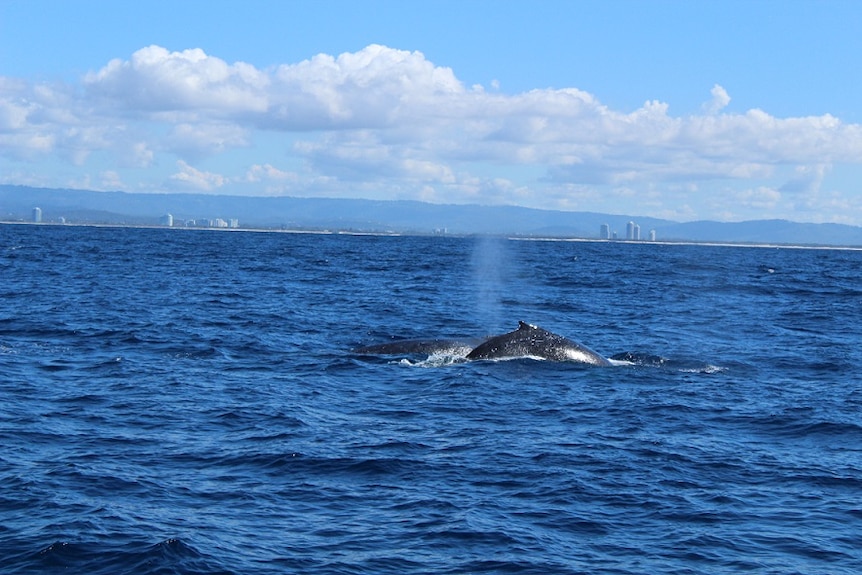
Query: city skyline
point(407, 217)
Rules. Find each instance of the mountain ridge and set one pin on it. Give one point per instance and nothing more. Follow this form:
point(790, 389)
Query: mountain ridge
point(400, 216)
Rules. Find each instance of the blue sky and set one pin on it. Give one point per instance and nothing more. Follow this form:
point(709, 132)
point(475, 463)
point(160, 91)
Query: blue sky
point(686, 110)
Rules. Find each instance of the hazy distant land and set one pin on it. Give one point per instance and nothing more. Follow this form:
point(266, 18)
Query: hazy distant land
point(121, 208)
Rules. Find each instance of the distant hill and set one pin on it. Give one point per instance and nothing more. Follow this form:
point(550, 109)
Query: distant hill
point(83, 206)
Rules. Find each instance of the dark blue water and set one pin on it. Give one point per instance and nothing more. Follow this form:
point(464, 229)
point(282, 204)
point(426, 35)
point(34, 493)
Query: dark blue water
point(185, 402)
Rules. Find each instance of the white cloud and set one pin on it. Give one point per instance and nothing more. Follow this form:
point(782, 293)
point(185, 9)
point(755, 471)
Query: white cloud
point(270, 180)
point(13, 115)
point(26, 145)
point(138, 154)
point(374, 87)
point(190, 177)
point(111, 180)
point(156, 80)
point(26, 112)
point(199, 139)
point(760, 198)
point(720, 100)
point(362, 155)
point(806, 180)
point(389, 121)
point(267, 172)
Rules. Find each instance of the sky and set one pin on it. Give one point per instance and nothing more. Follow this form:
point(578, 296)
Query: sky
point(723, 110)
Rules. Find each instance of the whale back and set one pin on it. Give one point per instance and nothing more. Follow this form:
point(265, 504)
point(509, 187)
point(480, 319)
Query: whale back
point(533, 341)
point(416, 347)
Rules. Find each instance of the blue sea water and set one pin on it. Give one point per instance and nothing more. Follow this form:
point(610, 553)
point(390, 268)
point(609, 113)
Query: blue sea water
point(186, 402)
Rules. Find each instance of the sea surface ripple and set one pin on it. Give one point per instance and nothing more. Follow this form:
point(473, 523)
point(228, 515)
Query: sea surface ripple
point(186, 402)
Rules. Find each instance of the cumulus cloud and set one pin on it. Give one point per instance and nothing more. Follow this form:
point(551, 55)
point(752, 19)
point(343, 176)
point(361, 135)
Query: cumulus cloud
point(720, 100)
point(267, 172)
point(363, 156)
point(32, 119)
point(156, 80)
point(190, 177)
point(388, 119)
point(760, 197)
point(198, 139)
point(274, 181)
point(806, 179)
point(370, 88)
point(138, 155)
point(111, 180)
point(13, 115)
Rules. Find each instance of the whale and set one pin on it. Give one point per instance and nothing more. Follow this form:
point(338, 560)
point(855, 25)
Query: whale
point(418, 347)
point(527, 341)
point(532, 341)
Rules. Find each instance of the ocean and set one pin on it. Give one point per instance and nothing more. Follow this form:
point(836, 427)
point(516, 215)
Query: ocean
point(188, 402)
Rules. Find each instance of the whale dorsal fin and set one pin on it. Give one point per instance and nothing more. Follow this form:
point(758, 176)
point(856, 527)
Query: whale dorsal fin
point(525, 325)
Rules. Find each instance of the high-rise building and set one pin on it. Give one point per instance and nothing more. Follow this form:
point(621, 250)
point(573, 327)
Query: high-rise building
point(630, 231)
point(167, 220)
point(605, 232)
point(37, 215)
point(652, 235)
point(637, 233)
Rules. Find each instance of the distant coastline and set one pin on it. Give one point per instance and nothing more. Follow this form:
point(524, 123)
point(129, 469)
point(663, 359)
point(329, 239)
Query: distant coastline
point(399, 234)
point(18, 204)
